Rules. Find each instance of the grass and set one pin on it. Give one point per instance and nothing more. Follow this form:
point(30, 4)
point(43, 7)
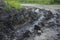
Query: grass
point(37, 1)
point(12, 3)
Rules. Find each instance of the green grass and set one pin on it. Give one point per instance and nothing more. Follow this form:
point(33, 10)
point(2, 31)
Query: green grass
point(37, 1)
point(40, 1)
point(12, 3)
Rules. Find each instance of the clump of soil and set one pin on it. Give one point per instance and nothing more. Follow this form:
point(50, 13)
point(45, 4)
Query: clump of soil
point(12, 19)
point(9, 19)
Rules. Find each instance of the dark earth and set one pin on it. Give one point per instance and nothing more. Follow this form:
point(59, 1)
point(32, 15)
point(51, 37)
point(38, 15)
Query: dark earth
point(29, 24)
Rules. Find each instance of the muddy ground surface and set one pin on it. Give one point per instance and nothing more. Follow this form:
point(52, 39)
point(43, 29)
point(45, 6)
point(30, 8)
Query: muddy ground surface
point(30, 23)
